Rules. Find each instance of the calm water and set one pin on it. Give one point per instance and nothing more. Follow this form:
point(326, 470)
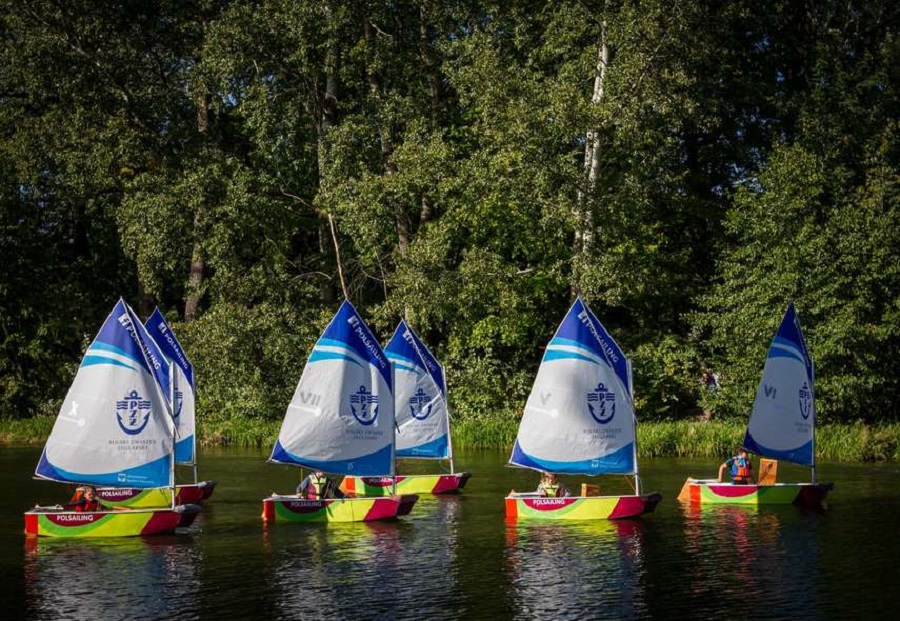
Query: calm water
point(457, 558)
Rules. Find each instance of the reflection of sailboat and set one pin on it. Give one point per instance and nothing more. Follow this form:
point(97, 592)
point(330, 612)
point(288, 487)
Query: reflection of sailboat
point(184, 412)
point(781, 427)
point(579, 419)
point(545, 560)
point(114, 428)
point(141, 577)
point(423, 421)
point(341, 421)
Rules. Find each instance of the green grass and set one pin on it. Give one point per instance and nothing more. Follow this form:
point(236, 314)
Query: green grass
point(850, 443)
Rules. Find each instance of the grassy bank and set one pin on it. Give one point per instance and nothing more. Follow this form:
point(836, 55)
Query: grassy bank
point(714, 439)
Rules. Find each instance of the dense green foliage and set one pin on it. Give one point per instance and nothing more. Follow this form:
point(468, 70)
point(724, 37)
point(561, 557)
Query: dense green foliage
point(479, 169)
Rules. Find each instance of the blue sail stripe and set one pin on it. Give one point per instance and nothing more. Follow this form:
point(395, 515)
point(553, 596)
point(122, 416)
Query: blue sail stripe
point(619, 462)
point(184, 450)
point(802, 455)
point(110, 348)
point(397, 358)
point(152, 474)
point(90, 361)
point(374, 464)
point(438, 448)
point(411, 368)
point(319, 356)
point(776, 352)
point(557, 341)
point(551, 355)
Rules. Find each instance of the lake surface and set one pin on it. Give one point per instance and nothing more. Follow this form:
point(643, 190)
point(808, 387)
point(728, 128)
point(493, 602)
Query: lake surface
point(457, 558)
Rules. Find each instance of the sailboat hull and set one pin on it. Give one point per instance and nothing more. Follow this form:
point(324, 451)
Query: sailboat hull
point(409, 484)
point(359, 509)
point(47, 522)
point(194, 493)
point(580, 507)
point(810, 495)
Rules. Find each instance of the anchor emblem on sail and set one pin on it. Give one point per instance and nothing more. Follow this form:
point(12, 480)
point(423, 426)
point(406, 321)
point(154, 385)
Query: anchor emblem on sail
point(133, 413)
point(602, 404)
point(179, 403)
point(420, 405)
point(364, 406)
point(806, 401)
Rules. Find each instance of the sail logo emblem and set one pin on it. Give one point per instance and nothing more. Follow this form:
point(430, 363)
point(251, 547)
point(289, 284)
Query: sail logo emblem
point(364, 406)
point(602, 404)
point(133, 413)
point(179, 403)
point(418, 403)
point(806, 401)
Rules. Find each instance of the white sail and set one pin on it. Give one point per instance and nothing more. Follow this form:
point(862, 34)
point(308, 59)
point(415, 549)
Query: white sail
point(579, 417)
point(114, 427)
point(184, 406)
point(784, 414)
point(341, 418)
point(423, 426)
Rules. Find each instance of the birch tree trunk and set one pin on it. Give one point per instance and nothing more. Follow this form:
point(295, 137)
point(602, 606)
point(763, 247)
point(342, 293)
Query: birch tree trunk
point(584, 221)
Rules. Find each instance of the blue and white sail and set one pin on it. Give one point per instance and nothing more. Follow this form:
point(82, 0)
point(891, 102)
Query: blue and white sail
point(184, 400)
point(420, 397)
point(784, 413)
point(341, 418)
point(579, 417)
point(115, 427)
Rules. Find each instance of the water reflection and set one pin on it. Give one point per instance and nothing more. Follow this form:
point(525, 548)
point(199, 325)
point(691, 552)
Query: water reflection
point(577, 570)
point(127, 578)
point(368, 569)
point(745, 553)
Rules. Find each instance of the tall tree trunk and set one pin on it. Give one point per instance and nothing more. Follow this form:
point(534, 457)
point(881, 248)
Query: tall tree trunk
point(584, 221)
point(430, 63)
point(198, 256)
point(373, 77)
point(326, 117)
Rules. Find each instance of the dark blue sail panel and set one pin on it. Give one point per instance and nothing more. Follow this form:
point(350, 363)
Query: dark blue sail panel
point(348, 328)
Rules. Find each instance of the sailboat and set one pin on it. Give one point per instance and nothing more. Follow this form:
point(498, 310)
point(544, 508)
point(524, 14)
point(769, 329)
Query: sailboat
point(340, 421)
point(580, 419)
point(423, 421)
point(115, 427)
point(781, 427)
point(184, 412)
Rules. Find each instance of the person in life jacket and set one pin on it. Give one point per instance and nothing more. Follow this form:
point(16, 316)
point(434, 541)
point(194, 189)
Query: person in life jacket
point(85, 499)
point(551, 487)
point(741, 468)
point(317, 486)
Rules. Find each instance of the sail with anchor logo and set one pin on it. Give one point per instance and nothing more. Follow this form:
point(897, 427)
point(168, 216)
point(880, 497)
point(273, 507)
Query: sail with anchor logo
point(580, 419)
point(184, 414)
point(340, 421)
point(114, 429)
point(781, 428)
point(423, 421)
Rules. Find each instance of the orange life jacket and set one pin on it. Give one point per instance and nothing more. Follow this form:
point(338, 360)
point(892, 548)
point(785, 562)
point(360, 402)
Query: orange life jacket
point(740, 470)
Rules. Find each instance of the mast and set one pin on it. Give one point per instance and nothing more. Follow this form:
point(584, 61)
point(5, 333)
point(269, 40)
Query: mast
point(171, 406)
point(449, 431)
point(393, 431)
point(637, 476)
point(812, 366)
